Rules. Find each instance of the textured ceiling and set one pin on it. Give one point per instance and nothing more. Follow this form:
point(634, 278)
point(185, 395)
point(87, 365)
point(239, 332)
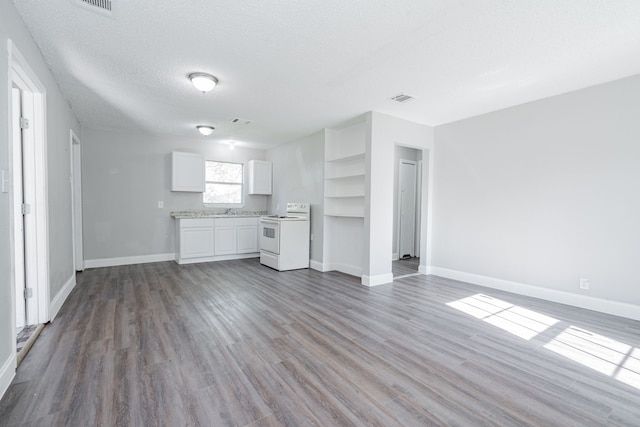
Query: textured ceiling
point(295, 67)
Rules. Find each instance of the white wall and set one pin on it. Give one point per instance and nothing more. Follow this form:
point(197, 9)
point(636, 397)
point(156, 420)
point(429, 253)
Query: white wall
point(59, 119)
point(124, 178)
point(298, 176)
point(543, 194)
point(386, 132)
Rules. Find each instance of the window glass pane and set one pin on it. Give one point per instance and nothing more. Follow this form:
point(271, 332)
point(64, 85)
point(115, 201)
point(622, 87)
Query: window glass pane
point(222, 193)
point(224, 172)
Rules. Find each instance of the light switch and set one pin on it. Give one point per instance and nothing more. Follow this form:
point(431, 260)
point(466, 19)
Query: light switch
point(160, 204)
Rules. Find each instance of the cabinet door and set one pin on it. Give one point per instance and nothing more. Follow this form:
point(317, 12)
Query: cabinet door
point(247, 239)
point(196, 242)
point(259, 177)
point(187, 172)
point(226, 240)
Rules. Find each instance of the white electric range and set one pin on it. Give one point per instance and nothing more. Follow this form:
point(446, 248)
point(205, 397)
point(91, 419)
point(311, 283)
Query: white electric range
point(284, 240)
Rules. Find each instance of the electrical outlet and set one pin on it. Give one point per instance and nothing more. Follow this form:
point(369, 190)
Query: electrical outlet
point(160, 204)
point(584, 283)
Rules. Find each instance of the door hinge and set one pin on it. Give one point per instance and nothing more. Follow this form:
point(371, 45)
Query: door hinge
point(28, 293)
point(24, 123)
point(26, 209)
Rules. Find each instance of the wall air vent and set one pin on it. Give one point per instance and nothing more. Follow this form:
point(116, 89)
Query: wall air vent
point(103, 7)
point(402, 98)
point(238, 121)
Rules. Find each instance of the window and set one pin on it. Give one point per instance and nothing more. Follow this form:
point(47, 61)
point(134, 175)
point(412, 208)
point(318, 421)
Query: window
point(223, 183)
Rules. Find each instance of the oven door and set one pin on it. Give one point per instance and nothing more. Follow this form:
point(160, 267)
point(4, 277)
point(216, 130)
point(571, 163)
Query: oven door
point(270, 236)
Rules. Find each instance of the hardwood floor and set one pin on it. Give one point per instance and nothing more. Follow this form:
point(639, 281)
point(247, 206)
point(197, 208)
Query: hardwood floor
point(402, 267)
point(236, 343)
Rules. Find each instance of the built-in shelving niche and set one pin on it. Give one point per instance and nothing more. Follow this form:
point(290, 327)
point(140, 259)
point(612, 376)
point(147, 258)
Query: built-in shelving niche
point(344, 197)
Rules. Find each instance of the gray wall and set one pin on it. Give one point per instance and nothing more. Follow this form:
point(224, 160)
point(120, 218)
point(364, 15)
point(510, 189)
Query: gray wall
point(124, 178)
point(298, 176)
point(59, 120)
point(545, 193)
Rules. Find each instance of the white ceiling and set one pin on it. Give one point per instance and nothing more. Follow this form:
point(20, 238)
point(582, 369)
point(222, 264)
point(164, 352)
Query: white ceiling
point(295, 67)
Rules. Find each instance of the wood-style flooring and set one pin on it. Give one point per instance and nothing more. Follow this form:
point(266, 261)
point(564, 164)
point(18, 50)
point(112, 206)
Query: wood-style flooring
point(234, 343)
point(403, 267)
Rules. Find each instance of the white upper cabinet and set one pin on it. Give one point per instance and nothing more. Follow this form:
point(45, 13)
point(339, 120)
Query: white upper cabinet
point(259, 176)
point(187, 172)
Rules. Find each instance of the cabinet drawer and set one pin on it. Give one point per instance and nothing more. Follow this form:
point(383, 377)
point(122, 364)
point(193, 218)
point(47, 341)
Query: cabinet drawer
point(196, 222)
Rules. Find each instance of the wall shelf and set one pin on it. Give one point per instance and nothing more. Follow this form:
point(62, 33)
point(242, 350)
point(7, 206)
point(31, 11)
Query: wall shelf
point(344, 215)
point(343, 196)
point(357, 175)
point(344, 159)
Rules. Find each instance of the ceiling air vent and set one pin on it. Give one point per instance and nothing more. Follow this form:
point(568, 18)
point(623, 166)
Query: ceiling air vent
point(402, 98)
point(100, 6)
point(238, 121)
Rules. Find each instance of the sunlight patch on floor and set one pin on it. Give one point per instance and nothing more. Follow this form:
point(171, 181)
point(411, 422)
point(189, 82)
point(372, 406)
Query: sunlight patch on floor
point(600, 353)
point(516, 320)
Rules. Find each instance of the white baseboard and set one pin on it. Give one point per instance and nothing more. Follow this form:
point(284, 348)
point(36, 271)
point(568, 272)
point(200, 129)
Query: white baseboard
point(218, 258)
point(582, 301)
point(61, 297)
point(343, 268)
point(7, 372)
point(316, 265)
point(376, 280)
point(424, 269)
point(395, 256)
point(142, 259)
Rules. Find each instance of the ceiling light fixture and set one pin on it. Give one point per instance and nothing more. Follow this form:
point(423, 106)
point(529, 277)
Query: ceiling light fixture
point(205, 130)
point(203, 82)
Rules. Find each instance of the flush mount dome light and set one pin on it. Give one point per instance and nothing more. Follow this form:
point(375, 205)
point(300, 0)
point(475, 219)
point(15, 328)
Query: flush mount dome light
point(205, 130)
point(203, 82)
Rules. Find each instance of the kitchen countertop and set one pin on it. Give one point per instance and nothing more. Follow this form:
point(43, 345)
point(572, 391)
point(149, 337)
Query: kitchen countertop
point(216, 213)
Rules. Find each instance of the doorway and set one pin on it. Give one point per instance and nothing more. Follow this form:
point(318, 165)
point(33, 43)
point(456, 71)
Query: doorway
point(29, 237)
point(407, 202)
point(18, 215)
point(76, 201)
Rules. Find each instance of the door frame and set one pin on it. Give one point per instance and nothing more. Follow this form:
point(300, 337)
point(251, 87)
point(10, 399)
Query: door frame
point(416, 218)
point(75, 151)
point(36, 189)
point(18, 270)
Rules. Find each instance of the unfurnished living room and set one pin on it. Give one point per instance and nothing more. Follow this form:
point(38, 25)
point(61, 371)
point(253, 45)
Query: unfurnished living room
point(250, 213)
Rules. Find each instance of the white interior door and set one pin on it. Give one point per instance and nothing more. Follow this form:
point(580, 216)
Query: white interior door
point(407, 208)
point(18, 200)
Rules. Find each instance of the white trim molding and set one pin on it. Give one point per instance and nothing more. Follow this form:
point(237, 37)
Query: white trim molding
point(316, 265)
point(351, 270)
point(141, 259)
point(379, 279)
point(615, 308)
point(7, 372)
point(424, 269)
point(35, 159)
point(61, 297)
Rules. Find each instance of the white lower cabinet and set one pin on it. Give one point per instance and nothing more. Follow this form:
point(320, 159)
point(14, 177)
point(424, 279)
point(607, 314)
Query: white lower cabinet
point(195, 238)
point(226, 240)
point(247, 239)
point(214, 239)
